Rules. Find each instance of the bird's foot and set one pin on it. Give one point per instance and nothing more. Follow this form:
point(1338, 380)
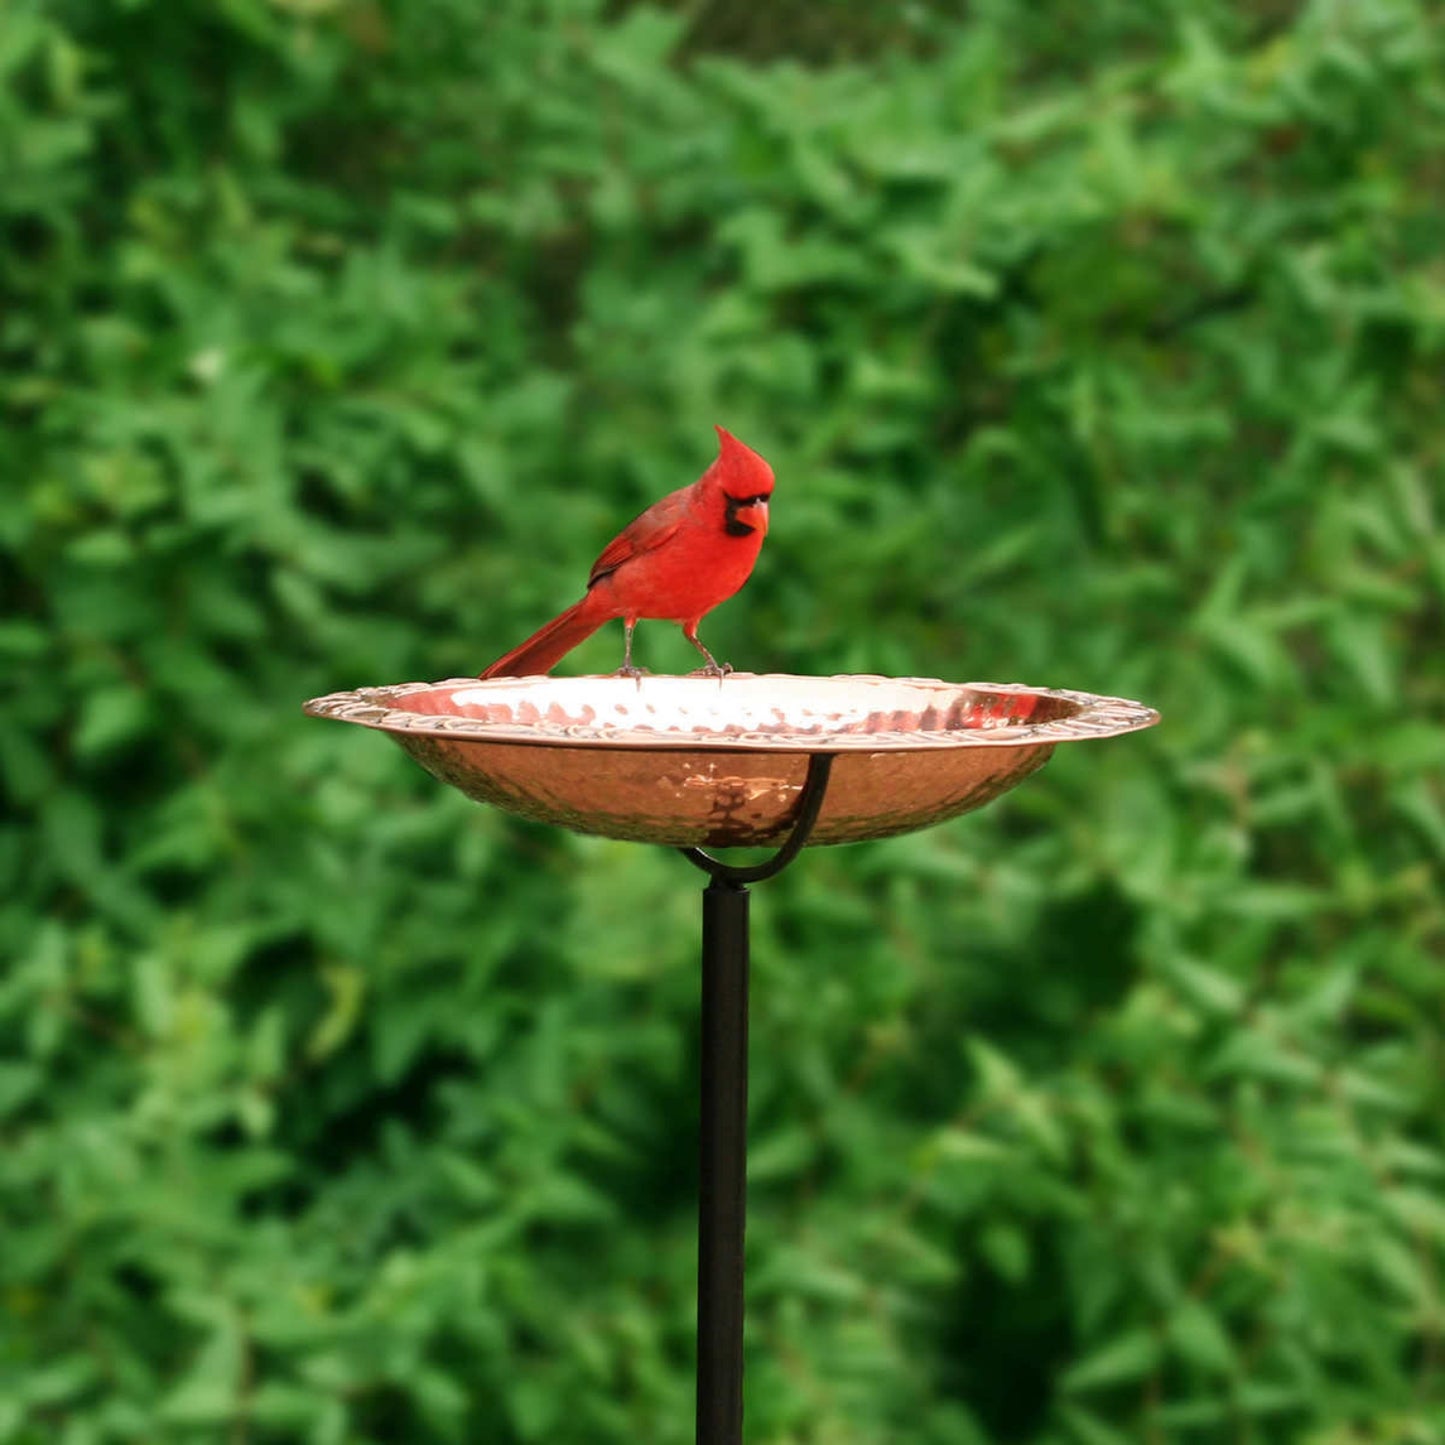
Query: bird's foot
point(635, 673)
point(718, 670)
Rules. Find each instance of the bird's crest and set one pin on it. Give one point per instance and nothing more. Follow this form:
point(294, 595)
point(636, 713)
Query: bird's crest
point(741, 470)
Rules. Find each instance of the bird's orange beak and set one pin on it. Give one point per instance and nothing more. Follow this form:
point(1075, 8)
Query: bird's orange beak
point(754, 515)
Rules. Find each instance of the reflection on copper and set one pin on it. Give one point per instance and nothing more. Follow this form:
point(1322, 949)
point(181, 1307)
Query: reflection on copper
point(719, 762)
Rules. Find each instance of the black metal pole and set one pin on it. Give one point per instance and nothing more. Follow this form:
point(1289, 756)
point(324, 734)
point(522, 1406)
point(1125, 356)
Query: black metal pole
point(722, 1157)
point(723, 1132)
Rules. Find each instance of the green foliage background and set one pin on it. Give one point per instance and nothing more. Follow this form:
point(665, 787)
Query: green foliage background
point(1094, 345)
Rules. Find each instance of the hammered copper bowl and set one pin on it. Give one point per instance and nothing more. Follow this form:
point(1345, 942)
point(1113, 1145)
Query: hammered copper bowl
point(720, 762)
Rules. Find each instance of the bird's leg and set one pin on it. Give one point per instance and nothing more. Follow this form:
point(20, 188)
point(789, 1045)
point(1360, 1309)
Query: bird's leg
point(627, 669)
point(714, 668)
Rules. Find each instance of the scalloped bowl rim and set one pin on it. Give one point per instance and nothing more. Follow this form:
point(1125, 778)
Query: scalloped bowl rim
point(1092, 715)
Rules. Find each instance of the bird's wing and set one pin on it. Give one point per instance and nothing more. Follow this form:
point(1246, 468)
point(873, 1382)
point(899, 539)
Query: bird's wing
point(644, 533)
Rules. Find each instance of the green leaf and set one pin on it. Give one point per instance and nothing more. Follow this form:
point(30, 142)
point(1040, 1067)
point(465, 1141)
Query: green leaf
point(1197, 1336)
point(1090, 1429)
point(1129, 1357)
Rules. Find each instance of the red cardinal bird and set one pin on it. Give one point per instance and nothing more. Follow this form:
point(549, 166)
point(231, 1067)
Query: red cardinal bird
point(677, 561)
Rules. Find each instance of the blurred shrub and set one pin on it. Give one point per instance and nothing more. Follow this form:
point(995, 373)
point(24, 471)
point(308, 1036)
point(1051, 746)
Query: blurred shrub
point(1094, 345)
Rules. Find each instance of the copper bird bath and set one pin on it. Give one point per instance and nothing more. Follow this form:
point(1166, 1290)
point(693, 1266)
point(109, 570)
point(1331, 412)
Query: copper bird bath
point(705, 762)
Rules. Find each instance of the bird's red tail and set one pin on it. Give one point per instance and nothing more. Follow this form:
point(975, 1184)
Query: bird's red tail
point(546, 647)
